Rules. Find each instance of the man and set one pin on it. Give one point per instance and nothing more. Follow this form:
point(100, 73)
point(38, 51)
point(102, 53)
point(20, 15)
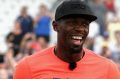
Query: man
point(25, 21)
point(68, 59)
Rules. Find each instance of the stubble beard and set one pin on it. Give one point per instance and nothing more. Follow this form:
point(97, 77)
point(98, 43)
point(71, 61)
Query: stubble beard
point(75, 49)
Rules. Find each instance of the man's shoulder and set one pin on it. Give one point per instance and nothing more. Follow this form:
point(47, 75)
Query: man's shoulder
point(42, 53)
point(91, 55)
point(97, 60)
point(36, 60)
point(103, 64)
point(39, 55)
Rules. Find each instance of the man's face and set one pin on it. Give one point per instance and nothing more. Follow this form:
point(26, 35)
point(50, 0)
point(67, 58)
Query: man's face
point(24, 11)
point(72, 33)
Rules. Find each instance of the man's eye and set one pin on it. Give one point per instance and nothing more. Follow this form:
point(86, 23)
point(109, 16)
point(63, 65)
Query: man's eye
point(70, 23)
point(85, 24)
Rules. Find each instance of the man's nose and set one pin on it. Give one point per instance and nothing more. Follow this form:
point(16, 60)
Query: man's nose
point(78, 28)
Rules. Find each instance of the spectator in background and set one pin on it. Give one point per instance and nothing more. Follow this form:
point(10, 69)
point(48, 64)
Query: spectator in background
point(26, 48)
point(14, 38)
point(115, 47)
point(105, 51)
point(42, 42)
point(100, 11)
point(117, 6)
point(42, 24)
point(25, 20)
point(110, 5)
point(3, 69)
point(26, 45)
point(93, 33)
point(113, 25)
point(10, 61)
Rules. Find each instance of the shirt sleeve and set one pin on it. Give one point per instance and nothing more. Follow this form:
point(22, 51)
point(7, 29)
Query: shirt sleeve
point(113, 72)
point(22, 71)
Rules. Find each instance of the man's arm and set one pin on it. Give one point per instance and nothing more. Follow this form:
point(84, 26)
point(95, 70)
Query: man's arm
point(22, 71)
point(113, 71)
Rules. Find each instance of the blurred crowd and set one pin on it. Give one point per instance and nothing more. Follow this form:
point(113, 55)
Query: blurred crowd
point(32, 34)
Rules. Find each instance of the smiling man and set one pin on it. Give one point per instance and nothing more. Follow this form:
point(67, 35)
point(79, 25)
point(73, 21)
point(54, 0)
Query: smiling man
point(68, 59)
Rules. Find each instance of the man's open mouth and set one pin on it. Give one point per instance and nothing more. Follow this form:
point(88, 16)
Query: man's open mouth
point(76, 39)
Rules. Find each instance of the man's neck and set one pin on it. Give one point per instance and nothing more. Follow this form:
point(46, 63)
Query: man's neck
point(67, 57)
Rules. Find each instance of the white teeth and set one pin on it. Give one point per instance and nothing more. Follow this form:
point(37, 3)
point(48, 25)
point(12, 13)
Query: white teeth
point(77, 37)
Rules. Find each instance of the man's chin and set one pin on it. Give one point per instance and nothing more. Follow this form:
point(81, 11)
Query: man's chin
point(75, 49)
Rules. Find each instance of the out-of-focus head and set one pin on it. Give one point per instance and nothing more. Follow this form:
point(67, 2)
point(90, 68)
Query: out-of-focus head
point(43, 8)
point(117, 35)
point(24, 10)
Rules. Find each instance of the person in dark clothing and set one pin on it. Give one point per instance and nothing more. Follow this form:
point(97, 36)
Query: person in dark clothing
point(14, 38)
point(25, 20)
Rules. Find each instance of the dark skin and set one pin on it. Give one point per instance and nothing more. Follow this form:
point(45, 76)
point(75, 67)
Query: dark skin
point(69, 49)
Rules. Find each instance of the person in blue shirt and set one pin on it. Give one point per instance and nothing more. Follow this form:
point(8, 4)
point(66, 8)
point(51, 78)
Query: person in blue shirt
point(42, 23)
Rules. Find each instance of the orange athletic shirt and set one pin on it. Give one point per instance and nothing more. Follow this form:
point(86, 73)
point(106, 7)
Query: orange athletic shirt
point(45, 65)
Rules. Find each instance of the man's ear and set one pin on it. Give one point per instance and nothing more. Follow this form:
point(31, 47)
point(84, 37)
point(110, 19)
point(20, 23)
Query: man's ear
point(55, 26)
